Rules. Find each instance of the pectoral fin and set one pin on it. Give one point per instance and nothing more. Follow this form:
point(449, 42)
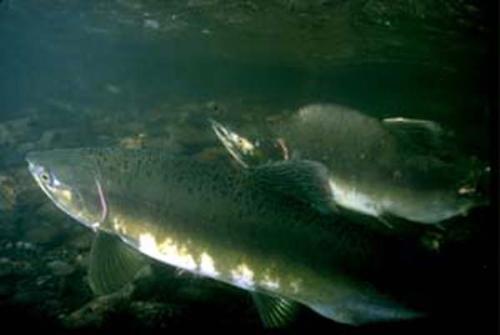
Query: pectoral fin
point(303, 180)
point(112, 264)
point(275, 312)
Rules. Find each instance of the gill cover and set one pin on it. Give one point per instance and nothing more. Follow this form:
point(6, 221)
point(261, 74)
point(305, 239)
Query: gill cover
point(70, 178)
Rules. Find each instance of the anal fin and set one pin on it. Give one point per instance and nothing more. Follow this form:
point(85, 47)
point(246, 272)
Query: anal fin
point(275, 312)
point(112, 264)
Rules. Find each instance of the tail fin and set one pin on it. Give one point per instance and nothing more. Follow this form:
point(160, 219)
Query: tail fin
point(361, 309)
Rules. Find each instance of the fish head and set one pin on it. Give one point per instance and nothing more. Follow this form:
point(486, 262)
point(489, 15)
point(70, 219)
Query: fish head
point(68, 178)
point(250, 152)
point(443, 204)
point(475, 189)
point(238, 146)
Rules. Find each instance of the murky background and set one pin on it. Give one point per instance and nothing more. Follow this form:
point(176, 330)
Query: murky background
point(149, 73)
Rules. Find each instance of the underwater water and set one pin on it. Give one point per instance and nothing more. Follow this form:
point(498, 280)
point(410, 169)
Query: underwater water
point(150, 73)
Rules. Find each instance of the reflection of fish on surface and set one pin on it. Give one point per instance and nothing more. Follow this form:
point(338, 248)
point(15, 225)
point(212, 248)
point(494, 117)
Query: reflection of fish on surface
point(223, 222)
point(397, 167)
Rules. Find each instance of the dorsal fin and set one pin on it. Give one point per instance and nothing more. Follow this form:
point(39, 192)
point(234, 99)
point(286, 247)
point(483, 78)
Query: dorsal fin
point(275, 312)
point(113, 264)
point(303, 180)
point(418, 134)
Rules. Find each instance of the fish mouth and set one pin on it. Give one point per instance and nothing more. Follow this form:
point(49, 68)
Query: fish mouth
point(35, 170)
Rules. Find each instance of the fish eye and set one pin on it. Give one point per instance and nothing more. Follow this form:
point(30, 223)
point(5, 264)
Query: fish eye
point(45, 177)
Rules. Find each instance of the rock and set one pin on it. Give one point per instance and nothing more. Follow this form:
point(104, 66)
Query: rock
point(50, 215)
point(82, 260)
point(133, 142)
point(12, 267)
point(29, 297)
point(24, 245)
point(151, 24)
point(6, 289)
point(82, 241)
point(42, 280)
point(46, 141)
point(212, 154)
point(6, 267)
point(23, 148)
point(189, 137)
point(61, 268)
point(7, 193)
point(113, 89)
point(154, 314)
point(27, 191)
point(14, 131)
point(94, 313)
point(305, 5)
point(42, 234)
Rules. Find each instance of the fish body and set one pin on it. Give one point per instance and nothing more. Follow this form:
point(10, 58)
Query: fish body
point(395, 167)
point(219, 221)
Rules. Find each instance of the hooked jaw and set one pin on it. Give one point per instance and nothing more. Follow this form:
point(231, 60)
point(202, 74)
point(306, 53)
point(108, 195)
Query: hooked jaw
point(234, 143)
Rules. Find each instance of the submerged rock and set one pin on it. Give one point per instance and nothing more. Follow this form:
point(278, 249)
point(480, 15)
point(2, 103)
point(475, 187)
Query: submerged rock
point(151, 24)
point(61, 268)
point(47, 139)
point(6, 267)
point(82, 241)
point(30, 297)
point(133, 142)
point(14, 131)
point(97, 311)
point(43, 233)
point(7, 193)
point(24, 245)
point(154, 314)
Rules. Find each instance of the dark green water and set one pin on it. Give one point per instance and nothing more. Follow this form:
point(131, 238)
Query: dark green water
point(149, 73)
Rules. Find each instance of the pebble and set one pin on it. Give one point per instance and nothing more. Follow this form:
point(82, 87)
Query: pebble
point(61, 268)
point(14, 131)
point(47, 139)
point(5, 267)
point(113, 89)
point(82, 241)
point(7, 193)
point(95, 312)
point(24, 245)
point(44, 233)
point(30, 297)
point(42, 280)
point(152, 24)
